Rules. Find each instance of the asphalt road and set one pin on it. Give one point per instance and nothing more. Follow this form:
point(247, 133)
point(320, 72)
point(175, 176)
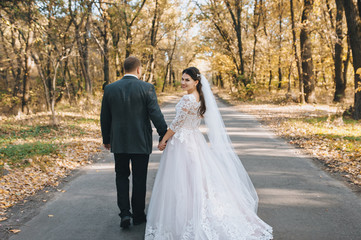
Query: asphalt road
point(297, 198)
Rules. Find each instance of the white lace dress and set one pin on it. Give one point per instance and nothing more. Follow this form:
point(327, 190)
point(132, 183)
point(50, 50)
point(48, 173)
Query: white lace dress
point(192, 199)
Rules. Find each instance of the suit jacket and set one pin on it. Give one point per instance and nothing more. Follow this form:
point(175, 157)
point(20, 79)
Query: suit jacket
point(128, 105)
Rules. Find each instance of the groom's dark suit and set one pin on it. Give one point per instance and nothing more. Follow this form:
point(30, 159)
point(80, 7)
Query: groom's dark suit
point(128, 106)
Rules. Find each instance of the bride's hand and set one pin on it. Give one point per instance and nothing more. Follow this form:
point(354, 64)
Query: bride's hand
point(162, 145)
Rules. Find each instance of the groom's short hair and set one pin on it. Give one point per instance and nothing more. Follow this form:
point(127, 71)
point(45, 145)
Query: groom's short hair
point(131, 63)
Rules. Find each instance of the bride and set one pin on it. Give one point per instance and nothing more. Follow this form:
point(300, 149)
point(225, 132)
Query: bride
point(201, 191)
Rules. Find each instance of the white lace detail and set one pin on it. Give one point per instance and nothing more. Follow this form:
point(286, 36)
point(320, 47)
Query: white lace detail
point(219, 220)
point(158, 233)
point(187, 119)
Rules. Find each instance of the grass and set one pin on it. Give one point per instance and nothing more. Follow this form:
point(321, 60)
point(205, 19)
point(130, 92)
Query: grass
point(11, 132)
point(17, 155)
point(88, 120)
point(34, 153)
point(337, 143)
point(21, 140)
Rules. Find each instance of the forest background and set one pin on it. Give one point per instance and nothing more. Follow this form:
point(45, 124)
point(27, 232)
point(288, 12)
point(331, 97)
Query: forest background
point(296, 64)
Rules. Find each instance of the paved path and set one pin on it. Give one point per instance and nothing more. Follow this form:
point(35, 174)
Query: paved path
point(297, 198)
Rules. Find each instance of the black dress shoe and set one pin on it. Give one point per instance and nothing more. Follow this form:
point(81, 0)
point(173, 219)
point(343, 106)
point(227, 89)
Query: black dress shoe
point(138, 221)
point(125, 222)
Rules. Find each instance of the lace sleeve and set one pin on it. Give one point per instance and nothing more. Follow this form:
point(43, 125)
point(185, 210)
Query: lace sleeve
point(182, 110)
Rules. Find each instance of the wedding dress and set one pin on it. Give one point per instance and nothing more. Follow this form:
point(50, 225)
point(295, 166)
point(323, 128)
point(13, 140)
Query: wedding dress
point(197, 195)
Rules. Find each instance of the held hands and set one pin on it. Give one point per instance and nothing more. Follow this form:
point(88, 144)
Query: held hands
point(162, 144)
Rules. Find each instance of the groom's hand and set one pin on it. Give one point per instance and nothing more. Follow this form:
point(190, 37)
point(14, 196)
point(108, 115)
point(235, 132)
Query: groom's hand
point(107, 146)
point(162, 145)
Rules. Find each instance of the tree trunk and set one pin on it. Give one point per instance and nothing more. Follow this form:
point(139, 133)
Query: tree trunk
point(12, 65)
point(236, 18)
point(289, 78)
point(165, 77)
point(82, 47)
point(339, 81)
point(220, 80)
point(26, 82)
point(298, 62)
point(168, 68)
point(83, 61)
point(174, 79)
point(17, 75)
point(152, 67)
point(104, 34)
point(43, 79)
point(53, 96)
point(128, 42)
point(256, 21)
point(85, 56)
point(346, 61)
point(170, 74)
point(153, 43)
point(353, 19)
point(306, 54)
point(115, 41)
point(65, 70)
point(106, 63)
point(280, 45)
point(270, 80)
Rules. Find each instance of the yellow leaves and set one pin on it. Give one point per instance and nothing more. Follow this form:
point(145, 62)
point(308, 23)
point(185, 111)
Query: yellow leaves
point(3, 191)
point(3, 219)
point(358, 71)
point(50, 216)
point(15, 230)
point(78, 139)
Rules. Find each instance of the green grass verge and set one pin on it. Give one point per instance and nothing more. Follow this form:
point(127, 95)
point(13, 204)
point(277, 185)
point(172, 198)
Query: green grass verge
point(15, 154)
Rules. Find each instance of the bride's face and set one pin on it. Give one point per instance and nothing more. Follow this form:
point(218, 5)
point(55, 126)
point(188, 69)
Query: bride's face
point(188, 84)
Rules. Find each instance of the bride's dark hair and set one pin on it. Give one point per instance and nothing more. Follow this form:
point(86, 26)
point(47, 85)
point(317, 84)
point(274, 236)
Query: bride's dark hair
point(195, 74)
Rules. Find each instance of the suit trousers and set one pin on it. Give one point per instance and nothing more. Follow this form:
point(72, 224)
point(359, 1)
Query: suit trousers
point(139, 163)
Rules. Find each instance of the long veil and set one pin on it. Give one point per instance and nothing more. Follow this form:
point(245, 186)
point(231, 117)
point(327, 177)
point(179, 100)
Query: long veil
point(222, 147)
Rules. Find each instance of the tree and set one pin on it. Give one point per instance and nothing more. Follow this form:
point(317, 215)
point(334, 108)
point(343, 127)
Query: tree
point(306, 54)
point(340, 81)
point(295, 51)
point(258, 8)
point(103, 31)
point(48, 61)
point(86, 7)
point(170, 55)
point(129, 20)
point(280, 9)
point(353, 19)
point(149, 73)
point(235, 11)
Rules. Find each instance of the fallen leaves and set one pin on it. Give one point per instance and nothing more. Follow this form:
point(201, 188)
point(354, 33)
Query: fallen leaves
point(15, 230)
point(78, 137)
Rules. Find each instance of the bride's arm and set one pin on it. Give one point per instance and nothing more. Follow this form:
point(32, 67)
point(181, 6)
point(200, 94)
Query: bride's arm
point(177, 122)
point(167, 135)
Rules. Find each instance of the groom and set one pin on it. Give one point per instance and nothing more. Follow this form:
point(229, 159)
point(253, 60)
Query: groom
point(128, 105)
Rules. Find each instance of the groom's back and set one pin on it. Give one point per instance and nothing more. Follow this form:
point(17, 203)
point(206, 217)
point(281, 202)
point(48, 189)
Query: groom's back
point(128, 100)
